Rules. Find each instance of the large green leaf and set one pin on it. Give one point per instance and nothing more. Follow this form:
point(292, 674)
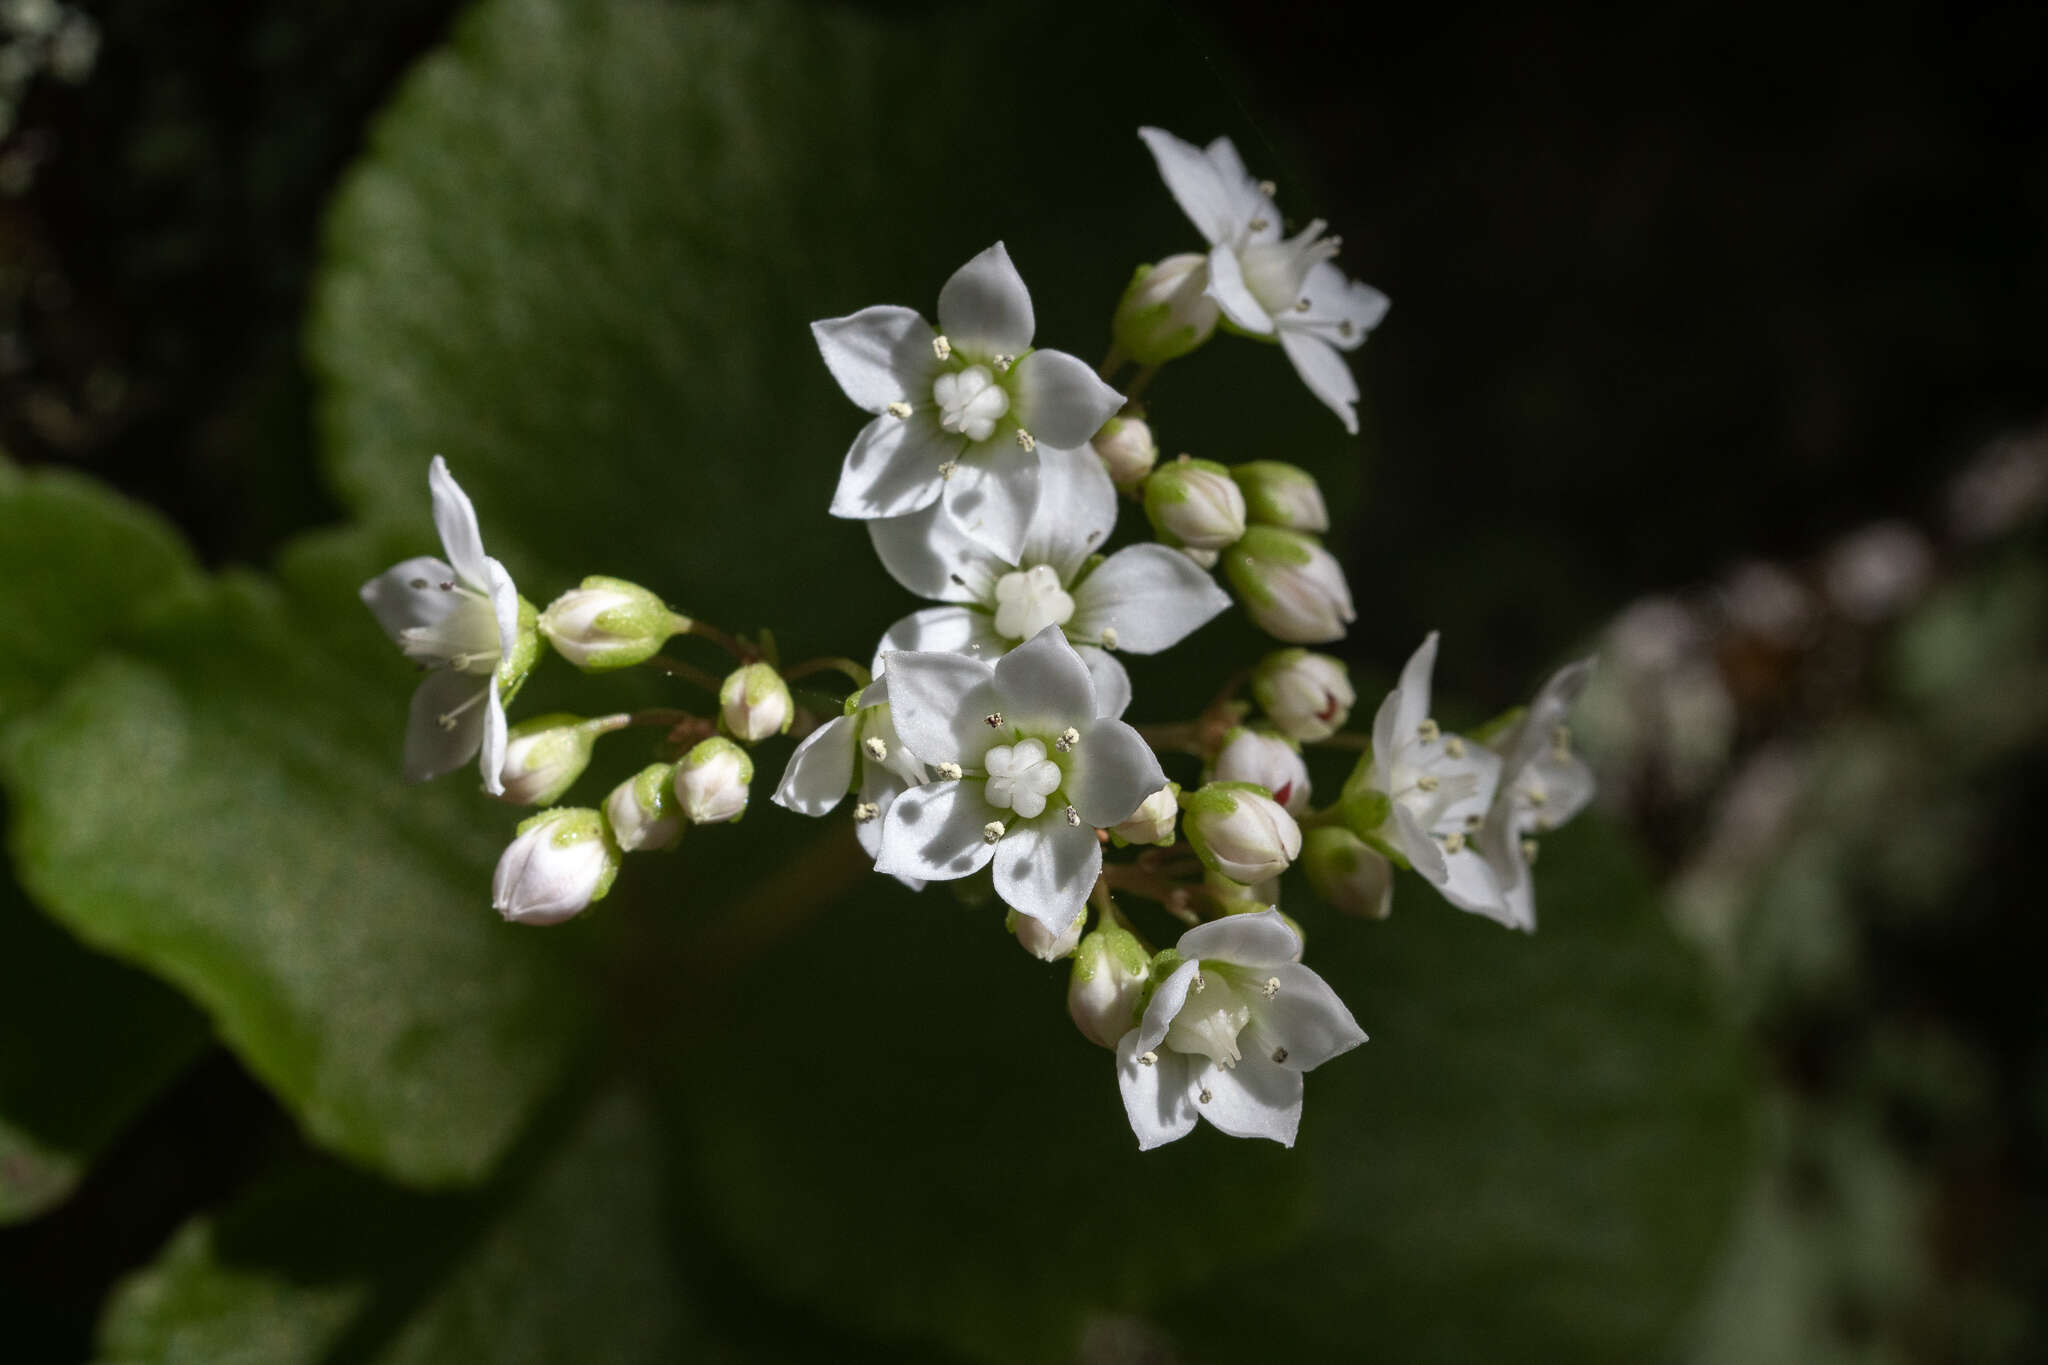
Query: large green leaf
point(333, 922)
point(563, 1259)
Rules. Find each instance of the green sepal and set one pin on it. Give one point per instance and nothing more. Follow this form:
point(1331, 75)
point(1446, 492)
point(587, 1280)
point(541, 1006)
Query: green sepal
point(513, 668)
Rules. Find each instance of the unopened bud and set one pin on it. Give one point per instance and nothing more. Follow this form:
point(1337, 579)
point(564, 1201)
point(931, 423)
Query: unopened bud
point(560, 861)
point(712, 781)
point(1152, 822)
point(1267, 761)
point(1277, 494)
point(1240, 832)
point(642, 810)
point(754, 703)
point(608, 623)
point(1307, 696)
point(1127, 450)
point(1290, 585)
point(1347, 874)
point(1041, 942)
point(544, 756)
point(1110, 972)
point(1195, 503)
point(1166, 310)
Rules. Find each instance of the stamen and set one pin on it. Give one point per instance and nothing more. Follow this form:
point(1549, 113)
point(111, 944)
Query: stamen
point(1529, 851)
point(942, 348)
point(1201, 984)
point(899, 409)
point(1474, 821)
point(1024, 439)
point(865, 811)
point(993, 720)
point(1109, 637)
point(1205, 1096)
point(992, 831)
point(1302, 305)
point(1426, 783)
point(1069, 737)
point(1268, 188)
point(948, 772)
point(1279, 1054)
point(877, 747)
point(447, 585)
point(1004, 362)
point(1537, 796)
point(1455, 747)
point(1561, 741)
point(419, 585)
point(1073, 817)
point(1454, 842)
point(1258, 225)
point(946, 469)
point(1345, 328)
point(1272, 987)
point(1147, 1058)
point(1429, 731)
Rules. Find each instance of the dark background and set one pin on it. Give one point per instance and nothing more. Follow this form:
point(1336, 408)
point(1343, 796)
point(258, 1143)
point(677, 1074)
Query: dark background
point(1673, 288)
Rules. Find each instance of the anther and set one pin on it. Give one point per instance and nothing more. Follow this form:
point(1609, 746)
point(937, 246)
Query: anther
point(1561, 741)
point(957, 579)
point(899, 409)
point(1258, 225)
point(1147, 1058)
point(942, 348)
point(1474, 820)
point(1429, 731)
point(877, 747)
point(1201, 984)
point(1279, 1054)
point(1455, 747)
point(1346, 328)
point(1069, 737)
point(447, 585)
point(1272, 987)
point(1073, 817)
point(1302, 305)
point(1454, 842)
point(419, 585)
point(1109, 637)
point(992, 831)
point(1205, 1096)
point(993, 720)
point(1537, 796)
point(1268, 188)
point(1025, 439)
point(865, 811)
point(1528, 850)
point(949, 772)
point(946, 469)
point(1426, 782)
point(1004, 362)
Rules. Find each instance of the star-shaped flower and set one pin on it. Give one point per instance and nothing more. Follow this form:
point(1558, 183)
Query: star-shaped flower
point(862, 750)
point(1143, 598)
point(1266, 284)
point(1542, 785)
point(1025, 769)
point(1228, 1034)
point(462, 619)
point(963, 414)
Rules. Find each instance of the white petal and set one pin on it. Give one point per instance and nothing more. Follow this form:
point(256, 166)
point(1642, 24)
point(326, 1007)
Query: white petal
point(820, 772)
point(929, 554)
point(1233, 296)
point(1046, 869)
point(1407, 706)
point(1469, 884)
point(491, 752)
point(985, 310)
point(455, 519)
point(1110, 773)
point(879, 355)
point(1167, 998)
point(993, 493)
point(1568, 785)
point(1305, 1017)
point(1335, 300)
point(937, 701)
point(432, 748)
point(1060, 400)
point(1255, 1098)
point(1479, 769)
point(1155, 1095)
point(943, 630)
point(892, 468)
point(1076, 511)
point(1249, 203)
point(1321, 367)
point(1424, 854)
point(880, 787)
point(1553, 702)
point(934, 832)
point(1112, 684)
point(1501, 845)
point(399, 606)
point(504, 605)
point(1151, 596)
point(1043, 685)
point(1260, 940)
point(1196, 184)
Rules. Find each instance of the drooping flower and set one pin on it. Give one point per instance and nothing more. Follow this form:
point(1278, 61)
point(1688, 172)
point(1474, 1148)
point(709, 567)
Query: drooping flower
point(713, 782)
point(1240, 832)
point(1026, 769)
point(1143, 598)
point(462, 619)
point(859, 752)
point(561, 861)
point(1267, 285)
point(1542, 785)
point(1228, 1034)
point(1290, 585)
point(962, 414)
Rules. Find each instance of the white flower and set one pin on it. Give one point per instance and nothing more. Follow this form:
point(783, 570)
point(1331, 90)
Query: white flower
point(642, 810)
point(1267, 761)
point(1240, 832)
point(1267, 285)
point(545, 755)
point(606, 623)
point(1290, 585)
point(962, 415)
point(560, 862)
point(1542, 785)
point(1166, 310)
point(1143, 598)
point(1438, 787)
point(1027, 769)
point(1110, 972)
point(712, 782)
point(1227, 1036)
point(859, 750)
point(461, 618)
point(1308, 696)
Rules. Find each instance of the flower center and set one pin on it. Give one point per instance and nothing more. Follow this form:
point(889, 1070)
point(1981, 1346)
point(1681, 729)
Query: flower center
point(1426, 779)
point(970, 401)
point(1020, 777)
point(1029, 600)
point(465, 640)
point(1215, 1013)
point(1275, 271)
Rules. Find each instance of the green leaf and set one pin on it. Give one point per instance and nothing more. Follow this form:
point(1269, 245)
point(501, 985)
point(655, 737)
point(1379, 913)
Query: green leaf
point(561, 1260)
point(334, 923)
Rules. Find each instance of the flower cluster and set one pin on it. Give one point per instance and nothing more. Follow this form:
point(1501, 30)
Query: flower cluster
point(984, 737)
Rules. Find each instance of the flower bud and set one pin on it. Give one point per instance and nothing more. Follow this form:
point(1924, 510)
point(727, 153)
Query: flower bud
point(1307, 696)
point(1127, 450)
point(1110, 972)
point(754, 703)
point(1291, 586)
point(1266, 761)
point(1195, 503)
point(711, 782)
point(1347, 874)
point(642, 810)
point(608, 623)
point(1277, 494)
point(1041, 942)
point(544, 756)
point(1240, 832)
point(1152, 822)
point(1166, 310)
point(561, 861)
